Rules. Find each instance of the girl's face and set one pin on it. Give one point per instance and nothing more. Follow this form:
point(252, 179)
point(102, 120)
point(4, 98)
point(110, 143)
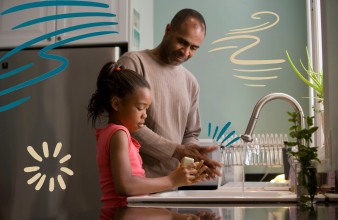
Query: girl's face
point(132, 109)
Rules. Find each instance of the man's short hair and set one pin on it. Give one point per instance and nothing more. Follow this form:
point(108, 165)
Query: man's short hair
point(184, 14)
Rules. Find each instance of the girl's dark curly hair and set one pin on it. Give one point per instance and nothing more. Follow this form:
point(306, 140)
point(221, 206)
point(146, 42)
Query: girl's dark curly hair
point(113, 81)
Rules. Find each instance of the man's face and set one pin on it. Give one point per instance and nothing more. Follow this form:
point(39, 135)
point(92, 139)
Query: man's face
point(180, 44)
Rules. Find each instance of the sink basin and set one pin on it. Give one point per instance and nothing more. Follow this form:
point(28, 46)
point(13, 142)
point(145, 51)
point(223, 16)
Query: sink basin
point(216, 196)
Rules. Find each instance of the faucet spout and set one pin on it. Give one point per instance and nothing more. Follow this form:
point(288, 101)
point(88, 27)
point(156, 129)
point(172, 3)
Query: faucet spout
point(258, 107)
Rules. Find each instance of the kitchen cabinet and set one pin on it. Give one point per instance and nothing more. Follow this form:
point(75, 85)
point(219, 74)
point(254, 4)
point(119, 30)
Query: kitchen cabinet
point(12, 38)
point(117, 7)
point(124, 10)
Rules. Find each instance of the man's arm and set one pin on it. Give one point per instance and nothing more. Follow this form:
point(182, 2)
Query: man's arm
point(154, 145)
point(193, 126)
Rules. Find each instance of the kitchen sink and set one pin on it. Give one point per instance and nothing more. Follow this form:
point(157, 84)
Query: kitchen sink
point(216, 196)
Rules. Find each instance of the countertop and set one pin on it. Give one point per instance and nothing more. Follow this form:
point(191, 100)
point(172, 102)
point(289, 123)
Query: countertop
point(261, 211)
point(210, 211)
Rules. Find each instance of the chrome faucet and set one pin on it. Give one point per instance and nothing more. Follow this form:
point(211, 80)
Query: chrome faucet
point(258, 107)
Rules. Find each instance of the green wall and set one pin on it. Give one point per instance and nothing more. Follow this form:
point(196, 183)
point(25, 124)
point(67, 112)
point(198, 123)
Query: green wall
point(223, 96)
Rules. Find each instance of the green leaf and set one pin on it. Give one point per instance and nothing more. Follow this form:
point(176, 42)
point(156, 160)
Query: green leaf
point(317, 78)
point(293, 127)
point(296, 70)
point(291, 144)
point(292, 153)
point(313, 129)
point(317, 160)
point(313, 76)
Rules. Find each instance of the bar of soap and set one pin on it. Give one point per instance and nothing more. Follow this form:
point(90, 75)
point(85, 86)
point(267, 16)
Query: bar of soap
point(187, 160)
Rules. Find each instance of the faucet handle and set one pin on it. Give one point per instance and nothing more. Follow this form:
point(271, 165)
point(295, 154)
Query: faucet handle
point(246, 138)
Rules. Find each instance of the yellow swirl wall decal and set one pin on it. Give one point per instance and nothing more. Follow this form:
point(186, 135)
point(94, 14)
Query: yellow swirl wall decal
point(254, 85)
point(249, 28)
point(257, 40)
point(258, 70)
point(253, 16)
point(256, 77)
point(223, 48)
point(247, 62)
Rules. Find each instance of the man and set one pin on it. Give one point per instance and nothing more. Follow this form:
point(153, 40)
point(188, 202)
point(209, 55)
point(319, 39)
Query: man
point(173, 123)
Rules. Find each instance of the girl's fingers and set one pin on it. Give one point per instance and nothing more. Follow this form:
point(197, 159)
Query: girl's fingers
point(192, 171)
point(199, 175)
point(199, 164)
point(202, 170)
point(195, 172)
point(202, 176)
point(199, 178)
point(196, 165)
point(198, 172)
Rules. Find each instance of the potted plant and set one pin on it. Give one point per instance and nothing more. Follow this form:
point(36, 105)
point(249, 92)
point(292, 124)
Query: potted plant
point(306, 155)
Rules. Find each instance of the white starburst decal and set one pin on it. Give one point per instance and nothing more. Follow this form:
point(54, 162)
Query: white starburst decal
point(42, 177)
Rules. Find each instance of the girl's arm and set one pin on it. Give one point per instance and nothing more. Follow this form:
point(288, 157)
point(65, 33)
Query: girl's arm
point(127, 184)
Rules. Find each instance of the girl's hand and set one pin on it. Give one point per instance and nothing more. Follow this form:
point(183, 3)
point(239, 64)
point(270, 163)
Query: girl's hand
point(200, 175)
point(183, 175)
point(189, 174)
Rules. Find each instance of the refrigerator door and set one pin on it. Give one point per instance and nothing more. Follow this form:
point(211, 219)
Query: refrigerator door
point(47, 146)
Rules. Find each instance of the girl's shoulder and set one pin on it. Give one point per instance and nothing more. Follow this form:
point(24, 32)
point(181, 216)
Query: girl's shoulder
point(110, 129)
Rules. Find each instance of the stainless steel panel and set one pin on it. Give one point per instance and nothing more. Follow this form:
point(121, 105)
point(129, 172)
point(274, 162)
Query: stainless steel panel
point(56, 112)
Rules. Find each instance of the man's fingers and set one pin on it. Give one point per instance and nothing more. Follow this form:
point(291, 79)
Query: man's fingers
point(211, 163)
point(208, 149)
point(216, 172)
point(211, 173)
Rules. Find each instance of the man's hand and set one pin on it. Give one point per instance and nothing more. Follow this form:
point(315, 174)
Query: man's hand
point(199, 153)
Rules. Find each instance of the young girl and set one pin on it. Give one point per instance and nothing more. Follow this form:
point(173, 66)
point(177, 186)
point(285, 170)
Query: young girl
point(125, 96)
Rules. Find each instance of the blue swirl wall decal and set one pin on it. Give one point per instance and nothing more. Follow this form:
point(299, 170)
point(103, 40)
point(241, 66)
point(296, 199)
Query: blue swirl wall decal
point(16, 71)
point(42, 52)
point(221, 135)
point(62, 16)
